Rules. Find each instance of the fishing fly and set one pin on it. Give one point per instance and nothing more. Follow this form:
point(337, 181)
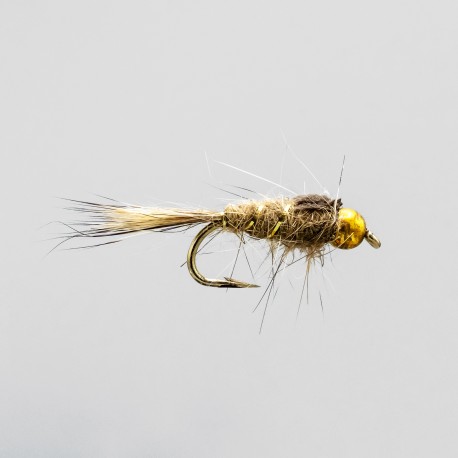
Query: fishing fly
point(307, 223)
point(311, 225)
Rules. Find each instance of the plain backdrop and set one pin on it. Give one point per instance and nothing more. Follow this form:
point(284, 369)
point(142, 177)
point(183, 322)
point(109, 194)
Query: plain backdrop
point(116, 351)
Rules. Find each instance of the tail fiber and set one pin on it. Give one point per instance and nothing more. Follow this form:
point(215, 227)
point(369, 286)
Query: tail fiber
point(102, 220)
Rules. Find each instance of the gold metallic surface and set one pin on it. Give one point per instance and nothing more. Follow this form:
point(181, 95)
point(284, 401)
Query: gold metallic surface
point(250, 224)
point(275, 229)
point(351, 231)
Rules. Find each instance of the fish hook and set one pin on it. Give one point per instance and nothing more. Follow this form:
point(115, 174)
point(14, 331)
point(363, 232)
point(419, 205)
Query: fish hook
point(192, 253)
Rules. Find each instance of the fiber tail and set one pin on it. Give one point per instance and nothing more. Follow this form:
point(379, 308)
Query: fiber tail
point(117, 219)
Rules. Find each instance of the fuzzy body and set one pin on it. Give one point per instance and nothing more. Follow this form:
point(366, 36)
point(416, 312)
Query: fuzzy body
point(306, 222)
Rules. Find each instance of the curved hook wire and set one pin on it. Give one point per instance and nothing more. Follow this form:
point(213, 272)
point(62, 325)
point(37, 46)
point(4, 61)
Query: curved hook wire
point(373, 241)
point(192, 267)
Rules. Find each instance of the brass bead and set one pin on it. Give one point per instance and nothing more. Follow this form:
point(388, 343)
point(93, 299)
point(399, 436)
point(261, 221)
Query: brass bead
point(351, 229)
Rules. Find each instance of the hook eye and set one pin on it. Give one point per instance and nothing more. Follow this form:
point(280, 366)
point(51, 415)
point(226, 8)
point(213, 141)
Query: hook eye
point(373, 241)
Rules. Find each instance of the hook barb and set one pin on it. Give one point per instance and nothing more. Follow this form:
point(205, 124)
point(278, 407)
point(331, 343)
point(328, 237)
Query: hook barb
point(192, 266)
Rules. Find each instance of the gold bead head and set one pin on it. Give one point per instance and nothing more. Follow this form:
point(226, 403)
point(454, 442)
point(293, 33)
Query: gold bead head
point(351, 229)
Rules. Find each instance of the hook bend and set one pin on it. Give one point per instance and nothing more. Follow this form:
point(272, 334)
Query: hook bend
point(192, 266)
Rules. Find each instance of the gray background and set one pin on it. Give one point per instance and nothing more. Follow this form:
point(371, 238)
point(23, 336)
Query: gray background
point(116, 351)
